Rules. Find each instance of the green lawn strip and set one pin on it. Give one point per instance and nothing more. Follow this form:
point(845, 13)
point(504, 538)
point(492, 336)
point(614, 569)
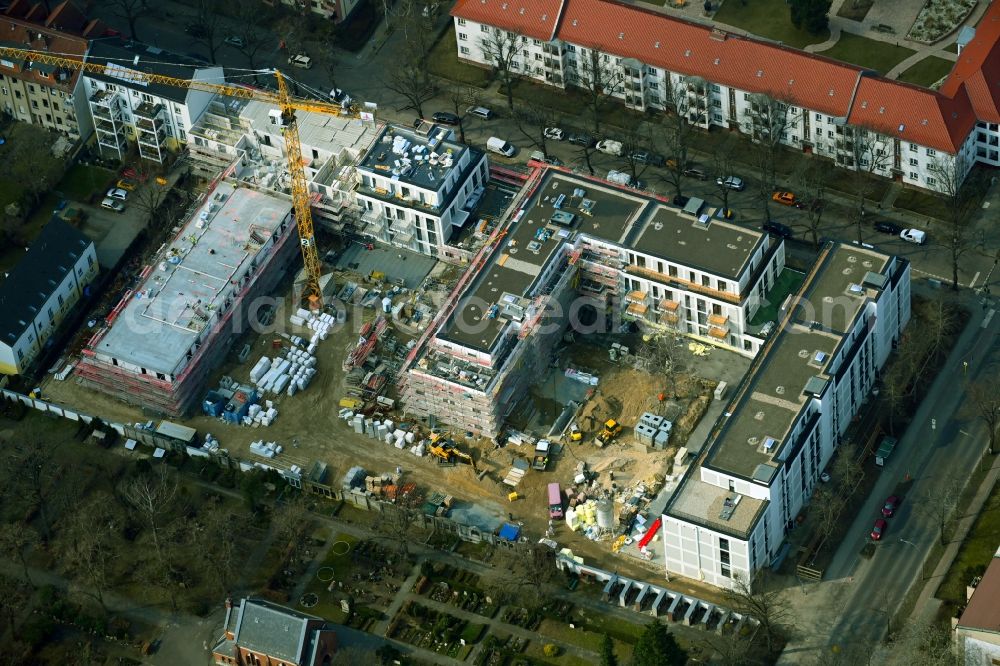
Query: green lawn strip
point(864, 52)
point(787, 283)
point(844, 181)
point(923, 203)
point(975, 554)
point(443, 61)
point(535, 653)
point(927, 72)
point(560, 631)
point(767, 18)
point(329, 605)
point(82, 180)
point(855, 10)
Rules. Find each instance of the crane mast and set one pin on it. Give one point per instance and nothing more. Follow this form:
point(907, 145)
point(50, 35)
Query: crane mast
point(293, 147)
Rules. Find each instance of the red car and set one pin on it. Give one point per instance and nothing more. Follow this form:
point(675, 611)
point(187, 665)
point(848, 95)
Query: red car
point(879, 529)
point(891, 504)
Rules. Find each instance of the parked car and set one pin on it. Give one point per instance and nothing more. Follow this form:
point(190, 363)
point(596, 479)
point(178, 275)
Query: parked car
point(300, 60)
point(581, 139)
point(731, 182)
point(891, 504)
point(113, 204)
point(500, 147)
point(695, 173)
point(914, 236)
point(778, 229)
point(117, 193)
point(539, 156)
point(879, 529)
point(233, 40)
point(887, 227)
point(785, 198)
point(128, 184)
point(554, 133)
point(338, 96)
point(609, 147)
point(446, 118)
point(650, 158)
point(480, 111)
point(621, 178)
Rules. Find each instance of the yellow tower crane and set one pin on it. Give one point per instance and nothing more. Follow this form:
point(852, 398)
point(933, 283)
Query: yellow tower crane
point(282, 99)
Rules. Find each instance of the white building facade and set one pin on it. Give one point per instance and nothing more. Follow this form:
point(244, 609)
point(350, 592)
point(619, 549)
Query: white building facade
point(729, 516)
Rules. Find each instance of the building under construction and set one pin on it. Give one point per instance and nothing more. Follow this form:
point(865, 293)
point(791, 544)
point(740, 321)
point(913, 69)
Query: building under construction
point(573, 244)
point(199, 294)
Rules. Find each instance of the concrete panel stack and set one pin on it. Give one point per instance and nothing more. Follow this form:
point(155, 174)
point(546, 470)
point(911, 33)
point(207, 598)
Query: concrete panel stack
point(645, 433)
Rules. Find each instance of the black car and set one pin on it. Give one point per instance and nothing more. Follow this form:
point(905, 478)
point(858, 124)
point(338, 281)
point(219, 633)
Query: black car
point(778, 229)
point(446, 118)
point(887, 227)
point(680, 201)
point(581, 139)
point(646, 157)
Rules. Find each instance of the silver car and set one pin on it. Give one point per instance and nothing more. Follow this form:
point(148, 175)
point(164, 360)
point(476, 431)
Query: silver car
point(731, 182)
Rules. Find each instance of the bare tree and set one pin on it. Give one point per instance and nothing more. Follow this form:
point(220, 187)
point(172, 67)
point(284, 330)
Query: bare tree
point(920, 642)
point(868, 153)
point(251, 19)
point(847, 470)
point(941, 506)
point(532, 121)
point(812, 183)
point(131, 11)
point(634, 144)
point(18, 538)
point(292, 521)
point(220, 531)
point(600, 78)
point(397, 522)
point(528, 571)
point(501, 50)
point(683, 98)
point(148, 199)
point(151, 497)
point(767, 121)
point(414, 83)
point(763, 602)
point(723, 166)
point(29, 163)
point(89, 548)
point(962, 195)
point(37, 474)
point(209, 21)
point(984, 397)
point(827, 505)
point(418, 38)
point(15, 595)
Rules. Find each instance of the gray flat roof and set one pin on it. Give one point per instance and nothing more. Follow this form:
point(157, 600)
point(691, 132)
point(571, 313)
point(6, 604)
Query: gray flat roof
point(705, 504)
point(771, 402)
point(177, 301)
point(409, 157)
point(316, 130)
point(838, 289)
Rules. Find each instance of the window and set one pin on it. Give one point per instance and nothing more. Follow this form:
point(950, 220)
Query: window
point(464, 50)
point(819, 117)
point(914, 175)
point(931, 180)
point(536, 42)
point(462, 36)
point(715, 87)
point(914, 162)
point(819, 132)
point(672, 271)
point(706, 281)
point(461, 21)
point(20, 355)
point(725, 571)
point(483, 28)
point(570, 48)
point(724, 557)
point(913, 147)
point(931, 152)
point(723, 544)
point(829, 134)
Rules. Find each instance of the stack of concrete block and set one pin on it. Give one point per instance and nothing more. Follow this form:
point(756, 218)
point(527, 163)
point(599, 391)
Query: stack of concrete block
point(661, 428)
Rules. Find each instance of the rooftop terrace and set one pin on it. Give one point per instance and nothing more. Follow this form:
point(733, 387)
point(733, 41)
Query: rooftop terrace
point(420, 159)
point(186, 289)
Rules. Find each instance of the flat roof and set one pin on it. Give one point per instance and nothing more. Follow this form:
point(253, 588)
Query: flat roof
point(316, 130)
point(839, 287)
point(602, 211)
point(187, 285)
point(716, 507)
point(770, 404)
point(415, 158)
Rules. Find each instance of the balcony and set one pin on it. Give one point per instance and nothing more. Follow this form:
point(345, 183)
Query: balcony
point(720, 321)
point(552, 64)
point(105, 113)
point(636, 311)
point(668, 306)
point(670, 318)
point(637, 297)
point(717, 333)
point(148, 111)
point(106, 98)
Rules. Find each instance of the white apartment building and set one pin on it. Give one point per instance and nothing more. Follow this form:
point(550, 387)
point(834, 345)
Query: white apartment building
point(656, 62)
point(575, 244)
point(40, 291)
point(125, 107)
point(418, 186)
point(244, 138)
point(729, 515)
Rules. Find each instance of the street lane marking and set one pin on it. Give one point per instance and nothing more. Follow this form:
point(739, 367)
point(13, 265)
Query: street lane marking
point(988, 319)
point(974, 278)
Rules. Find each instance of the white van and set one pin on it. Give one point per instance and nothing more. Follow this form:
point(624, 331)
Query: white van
point(610, 147)
point(301, 60)
point(501, 147)
point(480, 111)
point(619, 177)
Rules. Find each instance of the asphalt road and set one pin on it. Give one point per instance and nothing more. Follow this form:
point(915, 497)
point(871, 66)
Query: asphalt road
point(858, 595)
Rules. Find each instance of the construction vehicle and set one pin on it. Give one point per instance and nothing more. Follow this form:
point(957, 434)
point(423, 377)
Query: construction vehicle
point(611, 430)
point(281, 98)
point(445, 450)
point(541, 459)
point(575, 435)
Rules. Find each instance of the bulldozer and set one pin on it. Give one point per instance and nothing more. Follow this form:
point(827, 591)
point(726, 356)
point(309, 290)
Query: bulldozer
point(611, 430)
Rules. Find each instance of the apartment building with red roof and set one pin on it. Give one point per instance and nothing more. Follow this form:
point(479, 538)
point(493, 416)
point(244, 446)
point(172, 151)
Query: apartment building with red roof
point(40, 94)
point(720, 79)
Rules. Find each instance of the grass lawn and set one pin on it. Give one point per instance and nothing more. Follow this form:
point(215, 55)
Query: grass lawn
point(927, 72)
point(81, 181)
point(864, 52)
point(975, 553)
point(843, 181)
point(855, 10)
point(923, 203)
point(786, 284)
point(443, 61)
point(767, 18)
point(329, 605)
point(590, 639)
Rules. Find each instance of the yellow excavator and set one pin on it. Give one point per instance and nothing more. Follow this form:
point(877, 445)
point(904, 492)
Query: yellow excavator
point(445, 450)
point(611, 430)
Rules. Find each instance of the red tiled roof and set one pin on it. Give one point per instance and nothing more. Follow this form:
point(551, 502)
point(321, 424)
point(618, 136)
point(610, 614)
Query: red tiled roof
point(22, 34)
point(978, 68)
point(67, 17)
point(533, 18)
point(913, 114)
point(983, 611)
point(815, 82)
